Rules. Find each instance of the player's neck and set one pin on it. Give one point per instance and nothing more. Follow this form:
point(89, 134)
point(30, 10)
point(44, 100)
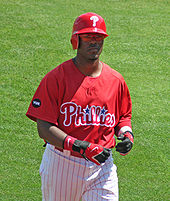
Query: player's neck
point(92, 68)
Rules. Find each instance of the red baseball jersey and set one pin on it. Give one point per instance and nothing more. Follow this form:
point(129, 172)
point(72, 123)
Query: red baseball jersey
point(87, 108)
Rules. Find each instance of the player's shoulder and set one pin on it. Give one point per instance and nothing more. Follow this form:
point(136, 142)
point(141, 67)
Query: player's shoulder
point(59, 70)
point(62, 67)
point(112, 72)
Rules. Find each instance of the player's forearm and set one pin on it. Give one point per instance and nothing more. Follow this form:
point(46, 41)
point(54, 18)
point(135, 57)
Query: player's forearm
point(58, 138)
point(51, 133)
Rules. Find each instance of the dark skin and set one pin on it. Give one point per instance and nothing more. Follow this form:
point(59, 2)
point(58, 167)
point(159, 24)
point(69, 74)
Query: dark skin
point(51, 133)
point(87, 61)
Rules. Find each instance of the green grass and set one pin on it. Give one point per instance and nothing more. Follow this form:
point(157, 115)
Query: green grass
point(35, 38)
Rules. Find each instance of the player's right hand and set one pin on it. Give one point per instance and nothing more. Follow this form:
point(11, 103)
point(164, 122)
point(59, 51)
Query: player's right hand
point(93, 152)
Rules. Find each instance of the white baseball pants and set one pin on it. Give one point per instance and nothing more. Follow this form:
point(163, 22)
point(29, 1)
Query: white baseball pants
point(69, 178)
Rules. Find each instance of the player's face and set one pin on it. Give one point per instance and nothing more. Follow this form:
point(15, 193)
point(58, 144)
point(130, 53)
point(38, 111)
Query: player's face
point(90, 45)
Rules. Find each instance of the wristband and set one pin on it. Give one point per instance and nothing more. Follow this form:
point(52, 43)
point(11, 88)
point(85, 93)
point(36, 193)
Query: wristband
point(129, 135)
point(68, 142)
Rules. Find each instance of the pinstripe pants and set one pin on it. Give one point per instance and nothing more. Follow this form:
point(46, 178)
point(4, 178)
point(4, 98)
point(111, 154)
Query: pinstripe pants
point(69, 178)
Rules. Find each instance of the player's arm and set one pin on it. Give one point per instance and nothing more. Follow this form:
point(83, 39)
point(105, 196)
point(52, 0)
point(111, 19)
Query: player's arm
point(124, 128)
point(55, 136)
point(51, 133)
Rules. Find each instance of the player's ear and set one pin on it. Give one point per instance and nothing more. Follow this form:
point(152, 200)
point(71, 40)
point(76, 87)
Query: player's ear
point(75, 41)
point(79, 41)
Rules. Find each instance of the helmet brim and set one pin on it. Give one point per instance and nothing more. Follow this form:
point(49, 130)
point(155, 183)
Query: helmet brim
point(91, 30)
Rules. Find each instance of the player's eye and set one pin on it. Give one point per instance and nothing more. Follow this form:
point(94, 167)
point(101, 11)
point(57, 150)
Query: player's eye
point(99, 37)
point(86, 37)
point(89, 37)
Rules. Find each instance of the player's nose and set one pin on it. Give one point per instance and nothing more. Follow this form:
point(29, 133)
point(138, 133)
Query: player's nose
point(93, 40)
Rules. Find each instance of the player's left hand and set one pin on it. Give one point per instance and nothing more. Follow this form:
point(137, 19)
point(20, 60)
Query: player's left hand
point(126, 145)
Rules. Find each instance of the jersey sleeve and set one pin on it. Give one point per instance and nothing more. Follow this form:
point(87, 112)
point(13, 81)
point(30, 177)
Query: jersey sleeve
point(44, 104)
point(125, 110)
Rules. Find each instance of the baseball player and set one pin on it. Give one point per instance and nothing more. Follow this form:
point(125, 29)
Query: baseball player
point(80, 106)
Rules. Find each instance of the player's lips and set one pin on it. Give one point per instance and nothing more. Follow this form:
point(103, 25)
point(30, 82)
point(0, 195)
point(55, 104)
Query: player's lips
point(93, 49)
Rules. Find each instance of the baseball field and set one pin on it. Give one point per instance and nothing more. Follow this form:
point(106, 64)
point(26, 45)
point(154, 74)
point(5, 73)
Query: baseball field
point(35, 38)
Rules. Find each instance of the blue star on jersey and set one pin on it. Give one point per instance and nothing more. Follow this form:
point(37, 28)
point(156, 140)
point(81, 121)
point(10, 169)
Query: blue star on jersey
point(87, 110)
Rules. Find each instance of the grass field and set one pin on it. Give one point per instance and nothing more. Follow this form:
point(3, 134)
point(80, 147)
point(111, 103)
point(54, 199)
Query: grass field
point(34, 38)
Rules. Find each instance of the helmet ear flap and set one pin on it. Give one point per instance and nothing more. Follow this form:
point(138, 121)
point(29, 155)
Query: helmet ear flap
point(75, 41)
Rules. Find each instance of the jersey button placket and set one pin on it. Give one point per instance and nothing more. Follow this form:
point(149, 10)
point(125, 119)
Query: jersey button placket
point(90, 91)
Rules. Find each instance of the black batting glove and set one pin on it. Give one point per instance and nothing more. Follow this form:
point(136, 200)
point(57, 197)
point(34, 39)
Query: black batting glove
point(93, 152)
point(126, 145)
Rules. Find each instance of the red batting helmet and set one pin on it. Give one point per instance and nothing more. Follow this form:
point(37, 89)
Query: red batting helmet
point(87, 23)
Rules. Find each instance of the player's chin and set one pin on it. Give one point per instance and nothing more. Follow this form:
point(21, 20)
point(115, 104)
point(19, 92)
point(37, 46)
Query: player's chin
point(94, 56)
